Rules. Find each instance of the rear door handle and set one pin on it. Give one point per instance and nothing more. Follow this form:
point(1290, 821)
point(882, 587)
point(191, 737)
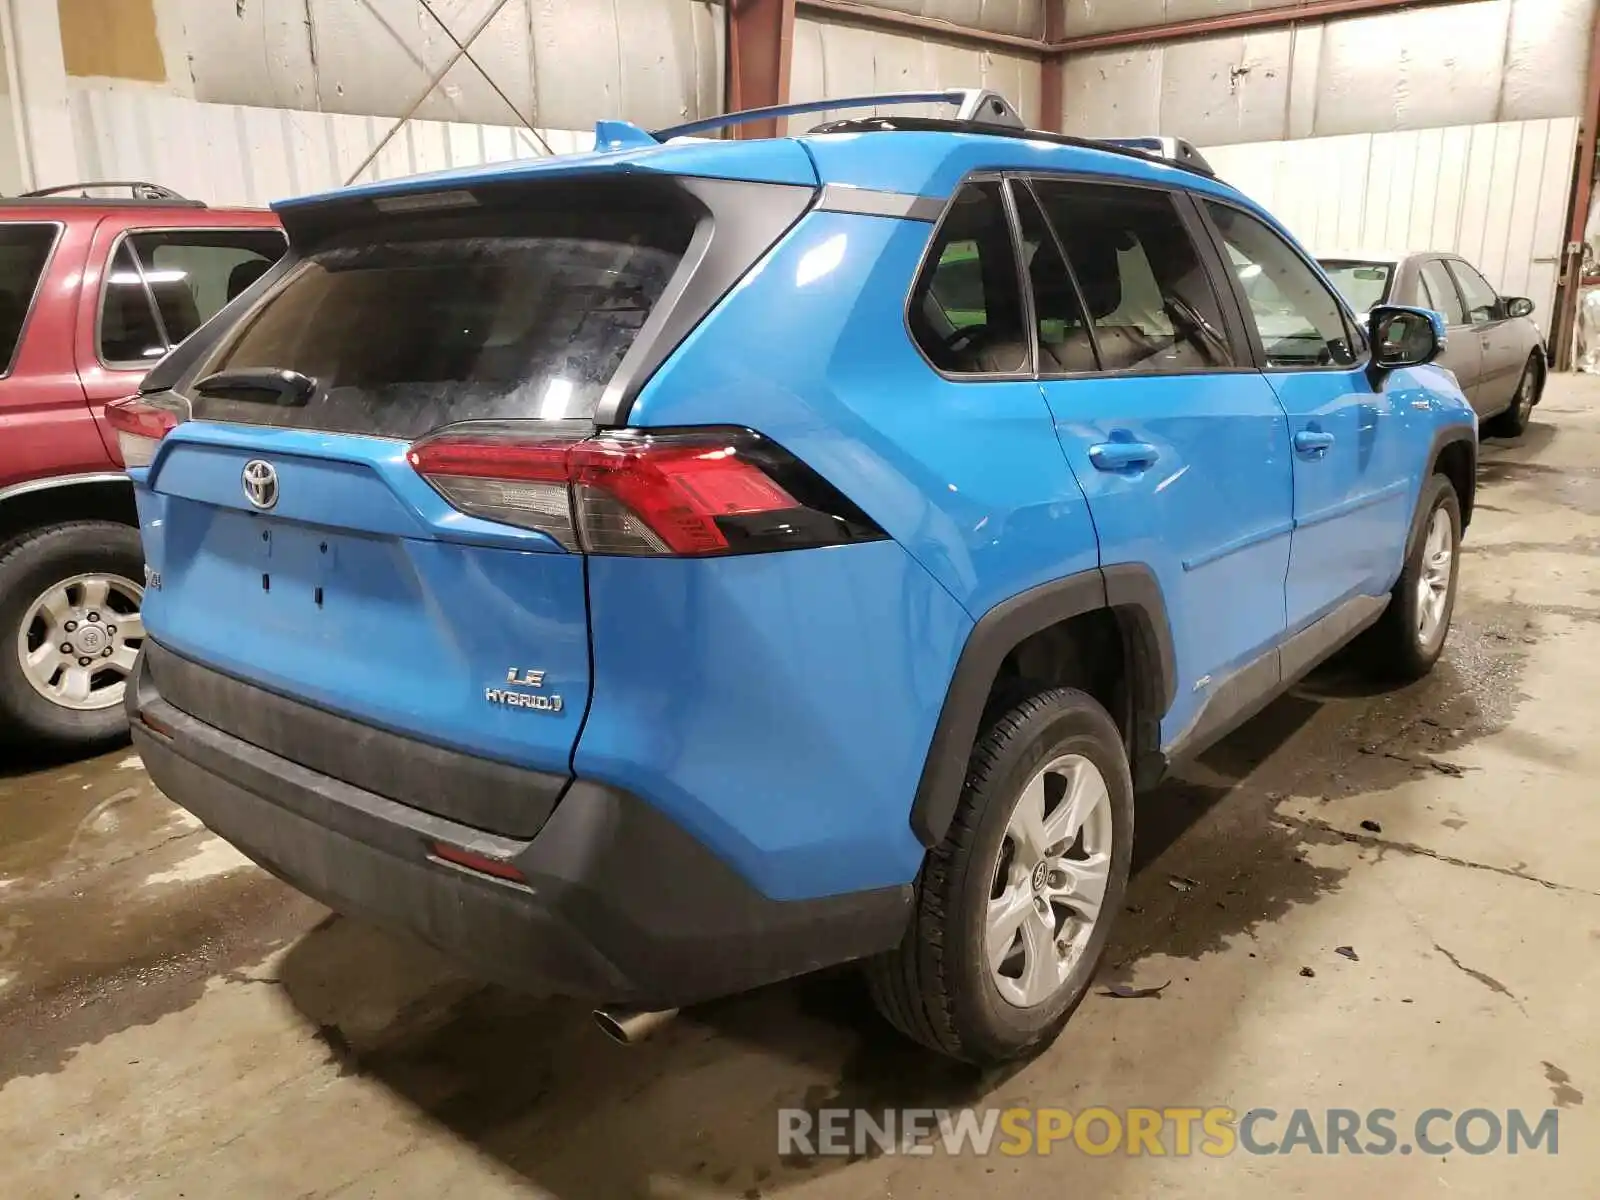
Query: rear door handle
point(1312, 441)
point(1122, 456)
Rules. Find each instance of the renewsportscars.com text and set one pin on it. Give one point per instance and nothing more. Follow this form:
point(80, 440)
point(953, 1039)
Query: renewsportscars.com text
point(1215, 1131)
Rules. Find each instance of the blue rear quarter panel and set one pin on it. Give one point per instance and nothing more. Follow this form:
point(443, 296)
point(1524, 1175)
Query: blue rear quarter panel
point(781, 706)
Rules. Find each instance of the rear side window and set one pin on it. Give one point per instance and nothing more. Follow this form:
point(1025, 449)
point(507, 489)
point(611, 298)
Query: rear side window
point(1151, 304)
point(1300, 322)
point(408, 328)
point(966, 309)
point(165, 284)
point(24, 250)
point(1440, 294)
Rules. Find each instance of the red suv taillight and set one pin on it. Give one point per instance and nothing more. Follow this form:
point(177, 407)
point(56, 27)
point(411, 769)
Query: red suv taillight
point(688, 492)
point(141, 422)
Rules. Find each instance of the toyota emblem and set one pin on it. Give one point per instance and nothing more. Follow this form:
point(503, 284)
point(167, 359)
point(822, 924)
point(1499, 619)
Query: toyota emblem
point(260, 483)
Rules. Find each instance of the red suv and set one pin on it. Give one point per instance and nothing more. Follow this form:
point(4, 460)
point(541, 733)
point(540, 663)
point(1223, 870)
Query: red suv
point(93, 292)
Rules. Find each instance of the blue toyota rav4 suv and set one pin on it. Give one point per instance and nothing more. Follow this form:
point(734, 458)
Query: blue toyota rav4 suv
point(652, 573)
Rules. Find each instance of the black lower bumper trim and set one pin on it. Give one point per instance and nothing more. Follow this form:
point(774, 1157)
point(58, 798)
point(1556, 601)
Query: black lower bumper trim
point(463, 787)
point(621, 905)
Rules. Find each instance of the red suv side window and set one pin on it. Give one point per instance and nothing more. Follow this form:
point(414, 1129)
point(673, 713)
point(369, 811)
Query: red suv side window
point(24, 250)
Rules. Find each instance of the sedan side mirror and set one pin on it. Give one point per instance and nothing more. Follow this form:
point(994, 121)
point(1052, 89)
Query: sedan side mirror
point(1404, 337)
point(1518, 306)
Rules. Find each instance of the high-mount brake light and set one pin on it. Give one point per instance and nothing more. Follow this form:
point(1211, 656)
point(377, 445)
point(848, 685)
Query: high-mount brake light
point(141, 422)
point(689, 493)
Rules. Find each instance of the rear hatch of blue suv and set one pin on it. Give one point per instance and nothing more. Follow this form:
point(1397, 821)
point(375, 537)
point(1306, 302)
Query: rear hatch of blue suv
point(439, 638)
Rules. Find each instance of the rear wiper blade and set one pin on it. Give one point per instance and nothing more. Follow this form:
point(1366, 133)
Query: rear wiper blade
point(286, 389)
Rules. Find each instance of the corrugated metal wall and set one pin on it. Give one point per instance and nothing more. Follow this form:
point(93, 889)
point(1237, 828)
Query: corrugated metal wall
point(1497, 60)
point(242, 154)
point(562, 63)
point(1024, 18)
point(1495, 194)
point(832, 59)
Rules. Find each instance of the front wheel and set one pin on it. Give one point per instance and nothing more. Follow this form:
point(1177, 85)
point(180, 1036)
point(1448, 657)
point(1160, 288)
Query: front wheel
point(1015, 906)
point(1410, 636)
point(69, 632)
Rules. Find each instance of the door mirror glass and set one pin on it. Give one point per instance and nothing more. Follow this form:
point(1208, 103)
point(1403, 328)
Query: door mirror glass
point(1519, 306)
point(1405, 337)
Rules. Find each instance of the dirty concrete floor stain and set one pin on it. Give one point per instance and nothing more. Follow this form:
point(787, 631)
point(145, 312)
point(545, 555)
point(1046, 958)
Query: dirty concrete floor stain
point(172, 1023)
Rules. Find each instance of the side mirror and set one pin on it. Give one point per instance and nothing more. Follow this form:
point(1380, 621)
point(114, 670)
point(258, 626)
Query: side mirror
point(1404, 337)
point(1518, 306)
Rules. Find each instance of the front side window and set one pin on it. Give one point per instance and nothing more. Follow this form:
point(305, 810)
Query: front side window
point(966, 309)
point(1482, 303)
point(1150, 301)
point(24, 250)
point(165, 284)
point(1439, 292)
point(1298, 318)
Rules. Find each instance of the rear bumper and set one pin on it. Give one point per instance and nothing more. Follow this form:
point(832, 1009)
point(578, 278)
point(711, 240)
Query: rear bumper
point(620, 905)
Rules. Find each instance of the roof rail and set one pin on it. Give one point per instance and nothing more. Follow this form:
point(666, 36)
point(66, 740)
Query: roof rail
point(978, 106)
point(138, 189)
point(1175, 150)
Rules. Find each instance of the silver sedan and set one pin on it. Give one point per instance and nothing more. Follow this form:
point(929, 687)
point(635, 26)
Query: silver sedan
point(1496, 352)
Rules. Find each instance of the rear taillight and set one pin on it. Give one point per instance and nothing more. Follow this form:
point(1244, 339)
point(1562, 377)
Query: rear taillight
point(141, 422)
point(691, 492)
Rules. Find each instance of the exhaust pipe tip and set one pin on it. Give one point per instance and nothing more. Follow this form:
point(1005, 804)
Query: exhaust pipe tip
point(630, 1026)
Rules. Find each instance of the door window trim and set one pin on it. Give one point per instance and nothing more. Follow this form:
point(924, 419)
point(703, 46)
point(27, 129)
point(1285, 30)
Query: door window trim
point(149, 297)
point(1352, 328)
point(60, 228)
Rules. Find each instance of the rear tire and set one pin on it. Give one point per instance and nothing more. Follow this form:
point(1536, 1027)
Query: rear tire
point(1049, 776)
point(70, 562)
point(1410, 636)
point(1514, 421)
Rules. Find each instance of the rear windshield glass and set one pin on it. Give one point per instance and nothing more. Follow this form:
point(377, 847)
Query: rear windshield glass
point(1364, 285)
point(455, 323)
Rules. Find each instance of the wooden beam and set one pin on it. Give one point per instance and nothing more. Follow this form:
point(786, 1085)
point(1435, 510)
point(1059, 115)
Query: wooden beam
point(760, 49)
point(1564, 320)
point(1052, 99)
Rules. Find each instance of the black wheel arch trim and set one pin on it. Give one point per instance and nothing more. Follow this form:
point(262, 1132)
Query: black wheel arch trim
point(1129, 590)
point(1447, 435)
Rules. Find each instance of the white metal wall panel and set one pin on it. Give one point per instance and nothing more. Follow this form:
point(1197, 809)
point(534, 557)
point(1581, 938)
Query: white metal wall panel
point(565, 63)
point(240, 154)
point(1083, 17)
point(1024, 18)
point(1496, 194)
point(832, 59)
point(1494, 61)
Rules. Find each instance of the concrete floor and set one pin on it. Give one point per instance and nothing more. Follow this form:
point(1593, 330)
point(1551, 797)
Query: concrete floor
point(175, 1023)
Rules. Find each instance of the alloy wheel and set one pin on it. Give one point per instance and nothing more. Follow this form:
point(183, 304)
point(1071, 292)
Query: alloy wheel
point(77, 642)
point(1050, 880)
point(1433, 581)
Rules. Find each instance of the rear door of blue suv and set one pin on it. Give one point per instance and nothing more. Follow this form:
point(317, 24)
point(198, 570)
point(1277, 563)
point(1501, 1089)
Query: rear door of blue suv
point(651, 574)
